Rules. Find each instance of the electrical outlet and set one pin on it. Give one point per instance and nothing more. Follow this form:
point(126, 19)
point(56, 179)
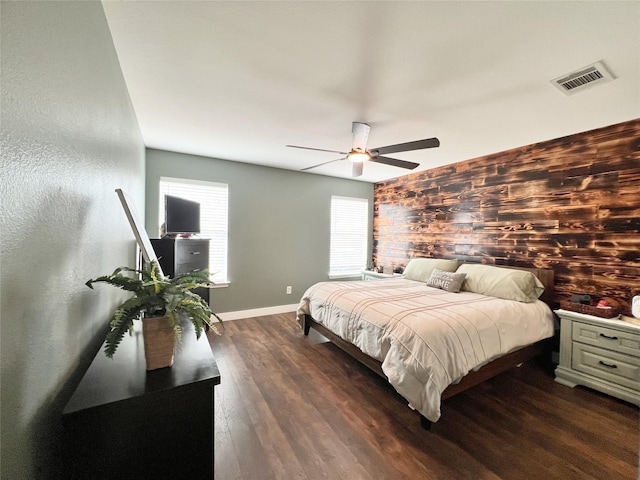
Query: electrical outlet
point(288, 289)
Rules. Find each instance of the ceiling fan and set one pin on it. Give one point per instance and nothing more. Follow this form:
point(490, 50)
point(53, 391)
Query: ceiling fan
point(359, 153)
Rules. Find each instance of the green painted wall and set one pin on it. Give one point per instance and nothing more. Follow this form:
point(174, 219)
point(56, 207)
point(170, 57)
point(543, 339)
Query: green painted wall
point(278, 225)
point(69, 138)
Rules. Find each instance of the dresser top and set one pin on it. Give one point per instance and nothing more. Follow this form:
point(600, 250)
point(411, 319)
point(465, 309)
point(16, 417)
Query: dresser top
point(125, 378)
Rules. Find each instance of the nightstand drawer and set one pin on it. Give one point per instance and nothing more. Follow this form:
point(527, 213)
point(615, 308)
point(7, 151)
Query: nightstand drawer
point(611, 366)
point(624, 342)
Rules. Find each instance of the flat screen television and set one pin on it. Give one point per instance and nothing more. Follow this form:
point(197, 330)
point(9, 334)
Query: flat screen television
point(181, 216)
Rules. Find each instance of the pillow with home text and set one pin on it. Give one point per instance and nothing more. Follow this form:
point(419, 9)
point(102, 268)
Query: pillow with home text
point(449, 281)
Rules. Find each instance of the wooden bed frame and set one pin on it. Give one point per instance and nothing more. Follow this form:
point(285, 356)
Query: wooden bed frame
point(495, 367)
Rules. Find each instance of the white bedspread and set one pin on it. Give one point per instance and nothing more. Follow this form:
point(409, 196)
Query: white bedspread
point(426, 338)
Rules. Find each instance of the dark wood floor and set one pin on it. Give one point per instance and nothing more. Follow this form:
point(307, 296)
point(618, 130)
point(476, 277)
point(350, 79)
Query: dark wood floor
point(295, 407)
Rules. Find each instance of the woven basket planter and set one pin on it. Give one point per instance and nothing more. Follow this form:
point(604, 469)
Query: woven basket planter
point(159, 342)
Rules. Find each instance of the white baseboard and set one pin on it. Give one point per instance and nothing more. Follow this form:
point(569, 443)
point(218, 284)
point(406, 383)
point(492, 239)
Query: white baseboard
point(258, 312)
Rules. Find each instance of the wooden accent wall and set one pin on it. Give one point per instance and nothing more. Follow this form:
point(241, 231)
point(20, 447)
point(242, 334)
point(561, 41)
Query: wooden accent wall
point(570, 204)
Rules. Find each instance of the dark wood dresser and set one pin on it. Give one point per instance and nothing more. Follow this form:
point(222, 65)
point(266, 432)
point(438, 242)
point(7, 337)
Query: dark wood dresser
point(123, 422)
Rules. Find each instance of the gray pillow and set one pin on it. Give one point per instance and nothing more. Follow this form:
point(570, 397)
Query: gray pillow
point(499, 282)
point(449, 281)
point(420, 269)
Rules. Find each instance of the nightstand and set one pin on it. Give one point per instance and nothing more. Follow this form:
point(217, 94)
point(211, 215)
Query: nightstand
point(600, 353)
point(371, 275)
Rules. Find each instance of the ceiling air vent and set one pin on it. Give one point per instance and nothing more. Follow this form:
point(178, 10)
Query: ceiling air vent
point(582, 79)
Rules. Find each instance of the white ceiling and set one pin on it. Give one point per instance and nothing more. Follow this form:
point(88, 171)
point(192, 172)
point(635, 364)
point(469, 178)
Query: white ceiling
point(238, 80)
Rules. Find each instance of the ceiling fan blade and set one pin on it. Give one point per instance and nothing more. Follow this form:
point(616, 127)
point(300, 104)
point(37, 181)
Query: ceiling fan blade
point(320, 164)
point(394, 162)
point(360, 135)
point(356, 170)
point(317, 149)
point(406, 147)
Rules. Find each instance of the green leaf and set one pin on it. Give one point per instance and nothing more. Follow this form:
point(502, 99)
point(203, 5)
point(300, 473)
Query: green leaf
point(125, 283)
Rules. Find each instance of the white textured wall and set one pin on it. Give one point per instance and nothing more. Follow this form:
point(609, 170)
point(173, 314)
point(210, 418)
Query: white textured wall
point(69, 139)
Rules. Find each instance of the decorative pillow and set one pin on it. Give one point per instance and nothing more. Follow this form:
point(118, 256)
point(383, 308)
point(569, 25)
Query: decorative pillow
point(449, 281)
point(499, 282)
point(420, 269)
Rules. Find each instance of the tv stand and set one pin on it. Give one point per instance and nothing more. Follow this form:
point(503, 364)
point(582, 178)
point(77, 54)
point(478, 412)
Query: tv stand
point(177, 255)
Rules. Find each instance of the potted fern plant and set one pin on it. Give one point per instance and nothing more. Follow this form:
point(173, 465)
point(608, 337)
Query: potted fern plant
point(160, 302)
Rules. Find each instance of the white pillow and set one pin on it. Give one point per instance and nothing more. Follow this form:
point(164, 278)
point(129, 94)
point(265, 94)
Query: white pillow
point(506, 283)
point(420, 269)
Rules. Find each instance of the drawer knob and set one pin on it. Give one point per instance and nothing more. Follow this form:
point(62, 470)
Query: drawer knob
point(608, 337)
point(608, 365)
point(195, 253)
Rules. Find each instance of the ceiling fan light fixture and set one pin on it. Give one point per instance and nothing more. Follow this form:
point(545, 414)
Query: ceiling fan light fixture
point(359, 157)
point(359, 154)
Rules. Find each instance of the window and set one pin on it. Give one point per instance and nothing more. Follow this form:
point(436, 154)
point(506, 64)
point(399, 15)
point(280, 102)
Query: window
point(349, 235)
point(214, 206)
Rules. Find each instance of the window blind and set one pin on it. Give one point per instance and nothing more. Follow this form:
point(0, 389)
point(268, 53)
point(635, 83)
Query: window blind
point(214, 209)
point(349, 233)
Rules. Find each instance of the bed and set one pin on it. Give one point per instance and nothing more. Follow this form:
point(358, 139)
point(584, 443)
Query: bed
point(431, 339)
